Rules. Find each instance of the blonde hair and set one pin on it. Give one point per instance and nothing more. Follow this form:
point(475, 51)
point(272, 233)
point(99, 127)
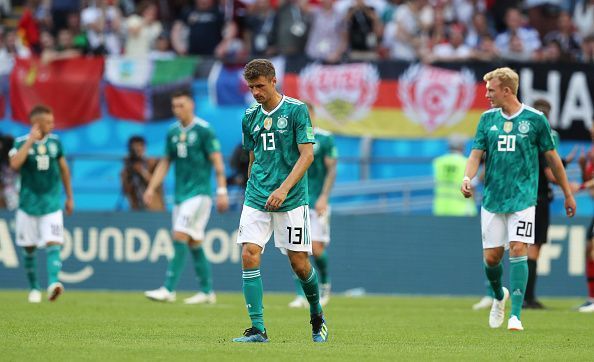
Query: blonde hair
point(507, 76)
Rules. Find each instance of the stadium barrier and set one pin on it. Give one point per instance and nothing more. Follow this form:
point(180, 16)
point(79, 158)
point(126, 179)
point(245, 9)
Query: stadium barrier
point(381, 253)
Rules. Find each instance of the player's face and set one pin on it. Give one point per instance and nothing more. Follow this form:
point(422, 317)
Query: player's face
point(495, 93)
point(262, 88)
point(183, 108)
point(45, 122)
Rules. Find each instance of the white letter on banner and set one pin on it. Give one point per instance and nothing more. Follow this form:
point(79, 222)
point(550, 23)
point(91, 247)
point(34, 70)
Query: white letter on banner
point(577, 250)
point(208, 243)
point(79, 251)
point(132, 235)
point(118, 244)
point(162, 246)
point(578, 102)
point(550, 251)
point(551, 95)
point(7, 252)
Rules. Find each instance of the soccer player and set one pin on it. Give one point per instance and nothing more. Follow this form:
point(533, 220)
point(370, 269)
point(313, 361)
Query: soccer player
point(320, 179)
point(39, 222)
point(510, 135)
point(192, 145)
point(587, 167)
point(279, 136)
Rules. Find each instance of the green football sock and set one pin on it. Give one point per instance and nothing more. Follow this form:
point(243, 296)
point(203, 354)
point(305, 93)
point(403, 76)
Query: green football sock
point(312, 292)
point(176, 265)
point(253, 293)
point(202, 268)
point(322, 266)
point(30, 263)
point(494, 274)
point(518, 278)
point(490, 291)
point(54, 264)
point(298, 287)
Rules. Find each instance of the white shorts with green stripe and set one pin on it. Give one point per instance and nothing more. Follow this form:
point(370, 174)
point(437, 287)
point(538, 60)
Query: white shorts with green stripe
point(291, 228)
point(498, 230)
point(191, 216)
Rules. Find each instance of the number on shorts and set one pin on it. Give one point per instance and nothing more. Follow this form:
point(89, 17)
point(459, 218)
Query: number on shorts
point(524, 229)
point(56, 229)
point(295, 235)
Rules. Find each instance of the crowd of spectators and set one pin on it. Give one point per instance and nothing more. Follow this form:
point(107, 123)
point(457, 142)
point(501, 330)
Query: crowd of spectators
point(326, 30)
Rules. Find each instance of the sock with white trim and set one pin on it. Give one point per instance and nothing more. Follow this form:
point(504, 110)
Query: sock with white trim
point(518, 278)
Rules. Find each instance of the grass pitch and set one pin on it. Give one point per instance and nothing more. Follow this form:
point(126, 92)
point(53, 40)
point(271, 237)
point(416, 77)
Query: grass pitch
point(125, 326)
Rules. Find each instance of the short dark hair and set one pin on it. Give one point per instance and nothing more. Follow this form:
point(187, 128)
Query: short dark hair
point(543, 105)
point(136, 139)
point(38, 110)
point(258, 68)
point(182, 93)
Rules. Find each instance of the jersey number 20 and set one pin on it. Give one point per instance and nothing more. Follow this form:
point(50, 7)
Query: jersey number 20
point(506, 143)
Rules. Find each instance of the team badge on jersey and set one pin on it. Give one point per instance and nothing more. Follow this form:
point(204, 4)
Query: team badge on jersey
point(508, 126)
point(41, 149)
point(53, 150)
point(524, 127)
point(192, 137)
point(268, 123)
point(282, 122)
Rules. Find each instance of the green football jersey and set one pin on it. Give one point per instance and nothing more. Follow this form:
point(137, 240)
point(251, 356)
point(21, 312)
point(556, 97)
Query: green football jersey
point(274, 138)
point(190, 149)
point(512, 145)
point(41, 181)
point(316, 174)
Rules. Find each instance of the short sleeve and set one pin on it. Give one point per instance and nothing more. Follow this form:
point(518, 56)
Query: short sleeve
point(544, 137)
point(60, 149)
point(246, 138)
point(211, 143)
point(303, 130)
point(480, 139)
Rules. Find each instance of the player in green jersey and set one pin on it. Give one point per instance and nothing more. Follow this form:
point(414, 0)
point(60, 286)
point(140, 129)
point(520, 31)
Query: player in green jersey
point(278, 134)
point(39, 158)
point(194, 149)
point(320, 179)
point(510, 135)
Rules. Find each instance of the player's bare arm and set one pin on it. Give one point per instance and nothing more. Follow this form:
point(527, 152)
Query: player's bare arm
point(554, 162)
point(322, 203)
point(65, 174)
point(222, 198)
point(278, 196)
point(252, 158)
point(472, 166)
point(20, 157)
point(156, 180)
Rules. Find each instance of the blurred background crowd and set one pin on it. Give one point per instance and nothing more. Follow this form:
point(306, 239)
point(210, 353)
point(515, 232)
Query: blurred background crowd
point(326, 30)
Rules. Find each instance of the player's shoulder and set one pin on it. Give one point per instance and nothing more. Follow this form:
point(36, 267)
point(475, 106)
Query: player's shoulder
point(201, 123)
point(490, 112)
point(533, 110)
point(294, 101)
point(53, 137)
point(252, 110)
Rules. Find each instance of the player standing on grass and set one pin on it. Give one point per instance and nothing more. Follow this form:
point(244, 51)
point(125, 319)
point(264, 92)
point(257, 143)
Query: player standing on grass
point(320, 179)
point(194, 148)
point(279, 136)
point(511, 135)
point(39, 222)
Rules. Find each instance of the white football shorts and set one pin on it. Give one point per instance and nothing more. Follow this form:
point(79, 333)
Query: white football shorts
point(191, 216)
point(498, 230)
point(320, 226)
point(291, 228)
point(33, 230)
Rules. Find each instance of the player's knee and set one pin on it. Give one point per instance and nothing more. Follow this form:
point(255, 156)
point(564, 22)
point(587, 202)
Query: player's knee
point(179, 236)
point(250, 257)
point(492, 260)
point(518, 249)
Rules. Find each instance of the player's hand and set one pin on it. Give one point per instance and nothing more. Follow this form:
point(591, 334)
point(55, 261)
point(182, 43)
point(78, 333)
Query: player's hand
point(148, 195)
point(466, 189)
point(276, 199)
point(222, 203)
point(321, 206)
point(570, 207)
point(35, 133)
point(69, 206)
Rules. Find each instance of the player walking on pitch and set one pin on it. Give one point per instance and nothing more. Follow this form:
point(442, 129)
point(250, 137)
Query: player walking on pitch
point(511, 135)
point(39, 222)
point(194, 148)
point(279, 136)
point(320, 179)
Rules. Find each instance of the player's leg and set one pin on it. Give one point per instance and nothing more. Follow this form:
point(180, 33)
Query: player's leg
point(494, 236)
point(541, 227)
point(255, 228)
point(201, 263)
point(292, 234)
point(51, 227)
point(320, 234)
point(27, 239)
point(521, 235)
point(588, 306)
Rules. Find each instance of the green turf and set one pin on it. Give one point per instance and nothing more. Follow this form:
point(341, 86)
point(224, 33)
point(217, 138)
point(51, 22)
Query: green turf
point(124, 326)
